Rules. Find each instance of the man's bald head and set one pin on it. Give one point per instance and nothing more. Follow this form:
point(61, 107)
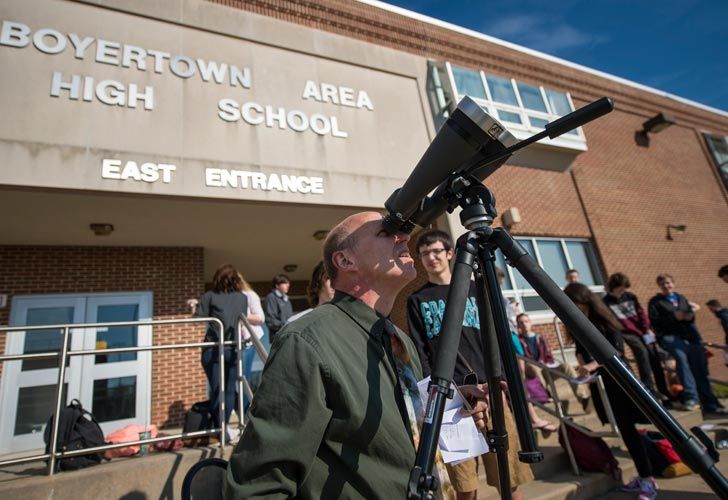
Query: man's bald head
point(343, 237)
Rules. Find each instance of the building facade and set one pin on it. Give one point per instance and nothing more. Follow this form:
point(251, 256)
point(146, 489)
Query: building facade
point(146, 143)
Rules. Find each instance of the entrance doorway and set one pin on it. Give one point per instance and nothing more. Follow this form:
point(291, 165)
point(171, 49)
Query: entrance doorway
point(114, 387)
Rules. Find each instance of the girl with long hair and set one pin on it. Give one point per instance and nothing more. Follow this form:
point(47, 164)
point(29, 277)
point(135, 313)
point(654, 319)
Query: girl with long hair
point(226, 302)
point(626, 414)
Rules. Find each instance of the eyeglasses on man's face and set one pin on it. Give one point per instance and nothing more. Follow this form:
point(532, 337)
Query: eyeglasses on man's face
point(434, 251)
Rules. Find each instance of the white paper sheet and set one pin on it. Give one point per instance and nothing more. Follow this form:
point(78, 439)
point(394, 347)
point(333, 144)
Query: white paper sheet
point(460, 439)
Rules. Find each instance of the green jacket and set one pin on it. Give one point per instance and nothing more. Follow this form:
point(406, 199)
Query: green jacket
point(325, 422)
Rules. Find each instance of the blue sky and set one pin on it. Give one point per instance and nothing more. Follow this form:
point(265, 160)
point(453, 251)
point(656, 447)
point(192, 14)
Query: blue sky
point(679, 46)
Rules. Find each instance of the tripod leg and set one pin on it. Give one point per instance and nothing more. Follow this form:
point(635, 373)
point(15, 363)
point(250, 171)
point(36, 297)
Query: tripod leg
point(498, 439)
point(694, 455)
point(529, 452)
point(421, 482)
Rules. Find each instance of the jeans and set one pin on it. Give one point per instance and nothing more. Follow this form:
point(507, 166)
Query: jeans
point(642, 358)
point(692, 370)
point(249, 355)
point(211, 365)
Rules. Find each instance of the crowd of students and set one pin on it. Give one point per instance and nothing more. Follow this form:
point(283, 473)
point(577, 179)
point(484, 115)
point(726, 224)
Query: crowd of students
point(665, 330)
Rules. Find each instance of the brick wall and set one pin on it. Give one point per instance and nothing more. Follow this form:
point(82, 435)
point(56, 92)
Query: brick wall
point(172, 274)
point(381, 27)
point(620, 193)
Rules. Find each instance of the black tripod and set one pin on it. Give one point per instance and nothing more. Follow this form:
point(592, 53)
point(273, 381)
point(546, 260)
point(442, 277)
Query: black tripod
point(475, 254)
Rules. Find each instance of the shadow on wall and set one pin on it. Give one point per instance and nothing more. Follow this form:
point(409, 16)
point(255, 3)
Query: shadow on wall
point(175, 414)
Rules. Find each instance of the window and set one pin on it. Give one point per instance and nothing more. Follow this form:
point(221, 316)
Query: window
point(469, 82)
point(501, 90)
point(719, 149)
point(531, 97)
point(525, 108)
point(555, 256)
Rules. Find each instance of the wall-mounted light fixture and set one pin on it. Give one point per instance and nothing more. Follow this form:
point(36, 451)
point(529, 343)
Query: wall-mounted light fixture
point(289, 268)
point(101, 228)
point(510, 217)
point(679, 228)
point(320, 234)
point(654, 125)
point(657, 123)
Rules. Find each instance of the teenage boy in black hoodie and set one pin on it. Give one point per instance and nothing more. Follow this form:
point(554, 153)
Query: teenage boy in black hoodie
point(425, 309)
point(673, 319)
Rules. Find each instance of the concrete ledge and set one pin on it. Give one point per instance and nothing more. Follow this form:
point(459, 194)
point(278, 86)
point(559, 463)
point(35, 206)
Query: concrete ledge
point(156, 476)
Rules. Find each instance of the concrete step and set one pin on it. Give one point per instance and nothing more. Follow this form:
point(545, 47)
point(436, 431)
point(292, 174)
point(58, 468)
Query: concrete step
point(554, 478)
point(157, 475)
point(160, 475)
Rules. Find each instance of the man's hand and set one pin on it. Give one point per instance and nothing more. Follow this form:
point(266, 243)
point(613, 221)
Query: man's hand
point(192, 305)
point(477, 397)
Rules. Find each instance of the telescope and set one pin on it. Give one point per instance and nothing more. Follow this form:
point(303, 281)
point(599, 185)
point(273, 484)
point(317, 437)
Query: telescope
point(469, 147)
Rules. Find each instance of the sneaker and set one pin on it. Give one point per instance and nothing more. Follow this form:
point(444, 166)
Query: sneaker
point(691, 405)
point(633, 486)
point(648, 489)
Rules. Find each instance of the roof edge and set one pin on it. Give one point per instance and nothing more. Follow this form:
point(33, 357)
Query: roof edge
point(536, 53)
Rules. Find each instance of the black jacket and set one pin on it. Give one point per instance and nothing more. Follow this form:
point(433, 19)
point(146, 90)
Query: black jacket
point(664, 322)
point(277, 310)
point(225, 306)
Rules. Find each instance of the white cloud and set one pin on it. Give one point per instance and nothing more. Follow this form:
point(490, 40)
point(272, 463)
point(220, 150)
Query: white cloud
point(541, 33)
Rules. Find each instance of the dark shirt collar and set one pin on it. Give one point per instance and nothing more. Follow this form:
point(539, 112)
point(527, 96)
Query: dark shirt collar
point(369, 319)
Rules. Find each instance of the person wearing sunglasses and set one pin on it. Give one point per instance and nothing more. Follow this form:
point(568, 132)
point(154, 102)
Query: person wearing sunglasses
point(425, 309)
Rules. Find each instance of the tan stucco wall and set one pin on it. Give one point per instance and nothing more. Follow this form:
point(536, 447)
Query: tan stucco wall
point(57, 142)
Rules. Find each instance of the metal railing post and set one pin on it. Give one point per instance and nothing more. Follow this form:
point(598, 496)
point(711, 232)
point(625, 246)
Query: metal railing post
point(59, 402)
point(560, 340)
point(241, 372)
point(607, 405)
point(221, 389)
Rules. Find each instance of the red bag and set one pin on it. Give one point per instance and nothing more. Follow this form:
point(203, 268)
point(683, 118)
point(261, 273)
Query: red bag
point(127, 435)
point(663, 446)
point(591, 453)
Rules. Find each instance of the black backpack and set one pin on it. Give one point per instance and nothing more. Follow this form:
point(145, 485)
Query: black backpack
point(198, 418)
point(77, 429)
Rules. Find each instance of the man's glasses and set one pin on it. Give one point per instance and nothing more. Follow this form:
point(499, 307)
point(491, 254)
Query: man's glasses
point(435, 251)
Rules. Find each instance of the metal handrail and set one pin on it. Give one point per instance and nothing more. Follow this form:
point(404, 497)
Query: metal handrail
point(560, 339)
point(558, 410)
point(65, 353)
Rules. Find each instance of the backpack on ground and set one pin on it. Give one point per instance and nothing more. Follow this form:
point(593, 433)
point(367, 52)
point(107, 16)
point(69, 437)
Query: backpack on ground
point(77, 430)
point(665, 461)
point(198, 418)
point(592, 454)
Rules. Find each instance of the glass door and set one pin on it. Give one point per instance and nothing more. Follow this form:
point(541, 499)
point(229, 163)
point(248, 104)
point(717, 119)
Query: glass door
point(29, 386)
point(114, 387)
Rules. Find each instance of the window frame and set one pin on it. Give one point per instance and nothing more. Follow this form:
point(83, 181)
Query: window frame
point(525, 114)
point(721, 167)
point(546, 316)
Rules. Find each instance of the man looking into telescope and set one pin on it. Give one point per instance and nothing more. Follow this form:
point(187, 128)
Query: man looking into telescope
point(333, 417)
point(425, 309)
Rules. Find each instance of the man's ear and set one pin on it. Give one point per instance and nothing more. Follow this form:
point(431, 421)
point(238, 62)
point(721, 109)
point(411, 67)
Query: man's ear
point(343, 262)
point(449, 254)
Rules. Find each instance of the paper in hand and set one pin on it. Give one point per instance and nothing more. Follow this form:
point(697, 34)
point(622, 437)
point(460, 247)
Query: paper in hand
point(460, 439)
